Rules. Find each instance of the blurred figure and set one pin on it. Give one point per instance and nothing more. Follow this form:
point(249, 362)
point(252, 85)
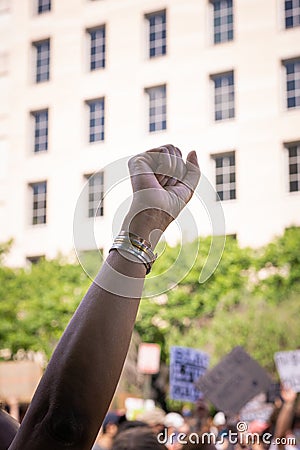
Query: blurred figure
point(174, 424)
point(154, 418)
point(109, 431)
point(137, 439)
point(219, 428)
point(288, 421)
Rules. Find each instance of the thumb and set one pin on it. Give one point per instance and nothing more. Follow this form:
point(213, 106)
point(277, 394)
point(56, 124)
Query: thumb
point(192, 176)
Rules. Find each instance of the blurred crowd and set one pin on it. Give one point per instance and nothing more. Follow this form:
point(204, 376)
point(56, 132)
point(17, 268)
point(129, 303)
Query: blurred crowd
point(199, 428)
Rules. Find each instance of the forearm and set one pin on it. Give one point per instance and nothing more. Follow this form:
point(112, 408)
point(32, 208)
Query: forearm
point(284, 420)
point(81, 378)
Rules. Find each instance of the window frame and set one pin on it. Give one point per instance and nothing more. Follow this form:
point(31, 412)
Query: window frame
point(35, 45)
point(37, 5)
point(284, 18)
point(287, 147)
point(213, 27)
point(286, 81)
point(232, 185)
point(95, 208)
point(88, 105)
point(164, 46)
point(34, 143)
point(213, 78)
point(31, 186)
point(164, 120)
point(35, 259)
point(89, 32)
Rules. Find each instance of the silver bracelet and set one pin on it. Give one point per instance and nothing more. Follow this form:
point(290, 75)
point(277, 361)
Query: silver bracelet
point(135, 246)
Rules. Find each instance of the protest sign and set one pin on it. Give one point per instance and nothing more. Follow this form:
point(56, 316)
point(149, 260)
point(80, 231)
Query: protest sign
point(234, 381)
point(148, 358)
point(186, 366)
point(288, 367)
point(257, 409)
point(18, 380)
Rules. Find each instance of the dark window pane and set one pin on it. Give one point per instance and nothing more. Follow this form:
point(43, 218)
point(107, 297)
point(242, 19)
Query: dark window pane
point(294, 186)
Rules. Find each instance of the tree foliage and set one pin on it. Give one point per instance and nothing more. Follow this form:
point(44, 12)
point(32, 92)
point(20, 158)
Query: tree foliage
point(37, 303)
point(252, 299)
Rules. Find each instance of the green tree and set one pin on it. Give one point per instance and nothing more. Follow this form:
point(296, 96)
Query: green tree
point(249, 300)
point(37, 303)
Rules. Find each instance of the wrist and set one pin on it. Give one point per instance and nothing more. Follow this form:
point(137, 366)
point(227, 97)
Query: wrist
point(149, 224)
point(288, 403)
point(135, 247)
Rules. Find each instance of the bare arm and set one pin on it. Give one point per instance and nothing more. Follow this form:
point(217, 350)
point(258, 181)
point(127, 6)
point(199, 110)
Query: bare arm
point(8, 429)
point(76, 390)
point(286, 414)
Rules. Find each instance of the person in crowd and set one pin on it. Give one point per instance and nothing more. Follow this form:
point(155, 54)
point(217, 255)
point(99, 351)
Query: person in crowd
point(128, 424)
point(139, 438)
point(76, 390)
point(288, 421)
point(154, 418)
point(109, 430)
point(173, 425)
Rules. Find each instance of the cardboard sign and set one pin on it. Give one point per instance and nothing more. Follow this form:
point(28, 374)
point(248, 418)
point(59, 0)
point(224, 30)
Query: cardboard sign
point(234, 381)
point(186, 366)
point(18, 380)
point(288, 367)
point(148, 358)
point(257, 409)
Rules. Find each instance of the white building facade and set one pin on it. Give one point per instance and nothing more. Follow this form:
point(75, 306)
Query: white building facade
point(86, 83)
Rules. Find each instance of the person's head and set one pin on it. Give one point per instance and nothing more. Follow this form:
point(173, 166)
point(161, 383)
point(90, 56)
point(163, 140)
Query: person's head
point(199, 446)
point(138, 438)
point(219, 420)
point(127, 424)
point(154, 418)
point(110, 424)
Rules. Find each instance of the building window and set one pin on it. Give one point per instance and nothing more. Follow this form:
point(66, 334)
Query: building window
point(292, 69)
point(42, 60)
point(40, 130)
point(96, 122)
point(292, 13)
point(223, 20)
point(225, 173)
point(157, 33)
point(224, 95)
point(39, 203)
point(157, 108)
point(96, 194)
point(97, 48)
point(43, 6)
point(294, 166)
point(34, 259)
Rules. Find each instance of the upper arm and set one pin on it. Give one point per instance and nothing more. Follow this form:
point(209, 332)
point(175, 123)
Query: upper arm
point(8, 429)
point(55, 429)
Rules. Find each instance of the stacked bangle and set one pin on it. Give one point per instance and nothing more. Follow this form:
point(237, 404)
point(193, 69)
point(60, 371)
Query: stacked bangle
point(135, 246)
